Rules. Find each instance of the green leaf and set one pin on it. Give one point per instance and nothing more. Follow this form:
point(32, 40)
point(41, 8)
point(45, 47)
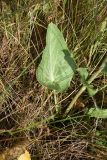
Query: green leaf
point(46, 6)
point(105, 69)
point(83, 74)
point(91, 90)
point(97, 113)
point(65, 1)
point(103, 25)
point(57, 66)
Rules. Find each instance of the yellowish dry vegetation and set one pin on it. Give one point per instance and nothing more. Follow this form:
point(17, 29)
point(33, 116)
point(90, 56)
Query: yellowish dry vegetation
point(26, 107)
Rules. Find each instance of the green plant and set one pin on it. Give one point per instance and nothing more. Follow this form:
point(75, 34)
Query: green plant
point(97, 113)
point(57, 67)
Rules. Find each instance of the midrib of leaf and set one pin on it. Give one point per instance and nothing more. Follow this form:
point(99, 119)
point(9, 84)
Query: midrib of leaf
point(50, 60)
point(51, 52)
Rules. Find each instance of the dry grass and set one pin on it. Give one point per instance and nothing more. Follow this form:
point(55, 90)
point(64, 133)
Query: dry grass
point(26, 107)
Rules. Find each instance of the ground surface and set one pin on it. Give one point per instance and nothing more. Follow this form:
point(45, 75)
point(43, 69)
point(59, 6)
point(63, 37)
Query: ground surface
point(26, 107)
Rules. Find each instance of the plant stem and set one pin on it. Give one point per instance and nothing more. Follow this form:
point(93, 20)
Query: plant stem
point(57, 108)
point(83, 88)
point(30, 126)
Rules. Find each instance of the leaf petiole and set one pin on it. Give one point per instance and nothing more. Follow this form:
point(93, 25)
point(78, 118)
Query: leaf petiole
point(57, 107)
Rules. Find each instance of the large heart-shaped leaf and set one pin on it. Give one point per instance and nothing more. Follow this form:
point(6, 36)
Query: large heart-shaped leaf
point(57, 65)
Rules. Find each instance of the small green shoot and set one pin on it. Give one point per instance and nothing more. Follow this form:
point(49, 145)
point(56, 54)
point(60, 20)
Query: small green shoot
point(65, 1)
point(83, 74)
point(91, 90)
point(97, 113)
